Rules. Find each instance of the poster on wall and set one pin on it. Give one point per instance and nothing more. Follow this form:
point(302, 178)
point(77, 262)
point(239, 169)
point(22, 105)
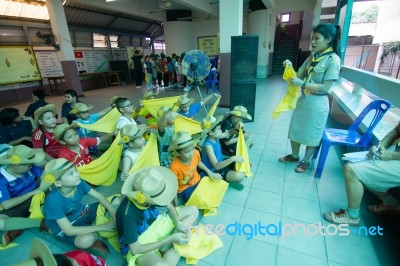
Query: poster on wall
point(49, 64)
point(18, 64)
point(92, 61)
point(131, 51)
point(120, 55)
point(209, 45)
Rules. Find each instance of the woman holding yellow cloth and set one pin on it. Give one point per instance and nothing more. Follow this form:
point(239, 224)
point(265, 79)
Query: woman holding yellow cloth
point(316, 77)
point(142, 231)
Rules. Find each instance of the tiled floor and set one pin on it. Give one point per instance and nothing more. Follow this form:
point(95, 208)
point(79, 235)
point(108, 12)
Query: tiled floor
point(275, 194)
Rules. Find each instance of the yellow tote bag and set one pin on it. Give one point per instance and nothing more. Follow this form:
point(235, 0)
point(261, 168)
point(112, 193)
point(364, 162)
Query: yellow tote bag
point(241, 150)
point(289, 100)
point(105, 124)
point(155, 104)
point(208, 193)
point(103, 170)
point(201, 244)
point(186, 124)
point(149, 155)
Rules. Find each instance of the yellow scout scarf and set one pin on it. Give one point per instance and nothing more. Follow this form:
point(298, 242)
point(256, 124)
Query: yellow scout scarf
point(315, 60)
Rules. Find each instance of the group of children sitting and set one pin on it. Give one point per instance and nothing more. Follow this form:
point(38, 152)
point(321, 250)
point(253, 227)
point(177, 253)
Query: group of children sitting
point(50, 168)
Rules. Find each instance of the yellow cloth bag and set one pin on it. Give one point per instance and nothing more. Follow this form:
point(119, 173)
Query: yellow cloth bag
point(214, 107)
point(290, 99)
point(153, 105)
point(149, 155)
point(208, 193)
point(201, 244)
point(36, 202)
point(241, 150)
point(105, 124)
point(160, 229)
point(186, 124)
point(112, 237)
point(103, 170)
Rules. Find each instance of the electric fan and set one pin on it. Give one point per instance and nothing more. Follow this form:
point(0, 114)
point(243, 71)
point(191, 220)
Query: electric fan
point(196, 66)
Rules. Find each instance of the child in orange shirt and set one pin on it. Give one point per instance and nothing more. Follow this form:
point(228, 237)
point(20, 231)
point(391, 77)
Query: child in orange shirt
point(185, 164)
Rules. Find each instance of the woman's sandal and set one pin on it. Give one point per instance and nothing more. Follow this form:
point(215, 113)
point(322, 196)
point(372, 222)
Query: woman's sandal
point(302, 167)
point(288, 159)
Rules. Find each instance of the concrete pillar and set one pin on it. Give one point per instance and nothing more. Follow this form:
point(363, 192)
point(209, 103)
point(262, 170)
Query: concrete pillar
point(179, 37)
point(260, 23)
point(230, 24)
point(66, 54)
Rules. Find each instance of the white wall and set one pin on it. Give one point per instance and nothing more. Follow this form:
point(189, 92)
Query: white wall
point(179, 37)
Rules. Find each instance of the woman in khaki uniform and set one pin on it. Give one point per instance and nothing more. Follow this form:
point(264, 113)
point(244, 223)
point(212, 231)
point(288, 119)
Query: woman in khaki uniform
point(315, 77)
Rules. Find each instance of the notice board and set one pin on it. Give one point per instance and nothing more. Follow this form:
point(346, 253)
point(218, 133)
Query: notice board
point(209, 45)
point(18, 64)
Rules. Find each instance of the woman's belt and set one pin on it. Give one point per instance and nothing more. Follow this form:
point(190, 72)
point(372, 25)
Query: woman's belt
point(309, 92)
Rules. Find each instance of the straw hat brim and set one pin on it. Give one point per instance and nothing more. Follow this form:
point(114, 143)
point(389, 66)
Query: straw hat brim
point(142, 130)
point(41, 250)
point(174, 146)
point(38, 157)
point(42, 110)
point(88, 107)
point(169, 192)
point(191, 100)
point(61, 133)
point(241, 114)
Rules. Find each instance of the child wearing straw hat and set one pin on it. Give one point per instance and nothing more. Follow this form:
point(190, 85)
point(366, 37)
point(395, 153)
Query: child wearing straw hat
point(67, 218)
point(74, 148)
point(43, 135)
point(151, 121)
point(211, 153)
point(186, 162)
point(132, 136)
point(234, 121)
point(19, 182)
point(81, 110)
point(165, 123)
point(142, 231)
point(188, 108)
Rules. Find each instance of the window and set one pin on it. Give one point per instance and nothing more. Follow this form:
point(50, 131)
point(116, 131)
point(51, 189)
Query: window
point(285, 17)
point(99, 40)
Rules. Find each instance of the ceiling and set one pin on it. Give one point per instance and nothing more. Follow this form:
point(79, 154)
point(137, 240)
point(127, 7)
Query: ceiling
point(145, 17)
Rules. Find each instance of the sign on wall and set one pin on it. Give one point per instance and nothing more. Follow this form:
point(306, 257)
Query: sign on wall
point(18, 64)
point(209, 45)
point(92, 61)
point(49, 64)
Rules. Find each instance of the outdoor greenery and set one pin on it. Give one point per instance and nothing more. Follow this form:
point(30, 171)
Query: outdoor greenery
point(369, 15)
point(391, 48)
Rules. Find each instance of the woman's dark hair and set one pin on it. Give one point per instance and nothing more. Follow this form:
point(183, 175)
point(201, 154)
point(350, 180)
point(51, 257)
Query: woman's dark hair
point(332, 32)
point(71, 92)
point(120, 103)
point(62, 260)
point(8, 115)
point(39, 93)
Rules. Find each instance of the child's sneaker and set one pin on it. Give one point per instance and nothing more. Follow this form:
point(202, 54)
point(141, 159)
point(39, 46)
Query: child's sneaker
point(341, 217)
point(381, 209)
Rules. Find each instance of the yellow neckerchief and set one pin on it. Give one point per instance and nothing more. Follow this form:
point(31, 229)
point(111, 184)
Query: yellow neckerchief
point(140, 207)
point(315, 60)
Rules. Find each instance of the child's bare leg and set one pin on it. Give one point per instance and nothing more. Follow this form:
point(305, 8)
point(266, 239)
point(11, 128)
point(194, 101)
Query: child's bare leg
point(85, 241)
point(234, 176)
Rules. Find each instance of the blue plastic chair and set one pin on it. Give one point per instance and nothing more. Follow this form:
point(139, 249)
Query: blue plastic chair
point(212, 81)
point(351, 137)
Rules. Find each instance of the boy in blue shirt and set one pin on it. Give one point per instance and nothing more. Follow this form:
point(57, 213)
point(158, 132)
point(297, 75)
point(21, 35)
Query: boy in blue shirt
point(188, 108)
point(19, 182)
point(66, 216)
